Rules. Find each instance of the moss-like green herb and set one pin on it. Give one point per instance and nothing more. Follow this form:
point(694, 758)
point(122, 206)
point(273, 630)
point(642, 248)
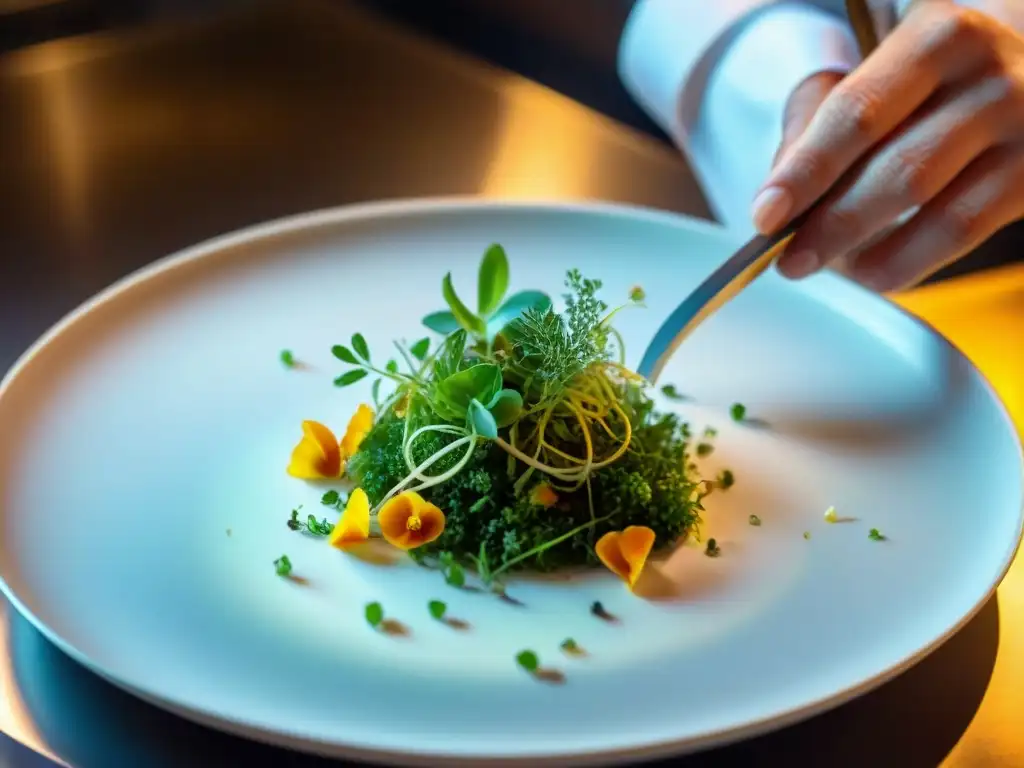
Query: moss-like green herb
point(287, 358)
point(374, 614)
point(528, 661)
point(332, 499)
point(437, 609)
point(726, 479)
point(570, 646)
point(738, 411)
point(754, 520)
point(875, 535)
point(283, 566)
point(712, 549)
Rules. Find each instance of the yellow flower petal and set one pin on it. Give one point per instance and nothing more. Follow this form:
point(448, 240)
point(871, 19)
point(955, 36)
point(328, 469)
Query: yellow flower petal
point(359, 427)
point(354, 525)
point(408, 521)
point(625, 553)
point(317, 456)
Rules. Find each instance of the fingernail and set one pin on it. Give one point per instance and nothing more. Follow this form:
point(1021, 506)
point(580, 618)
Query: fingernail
point(799, 264)
point(771, 209)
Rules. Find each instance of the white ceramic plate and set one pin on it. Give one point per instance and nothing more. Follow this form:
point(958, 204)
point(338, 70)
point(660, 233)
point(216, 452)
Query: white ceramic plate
point(158, 417)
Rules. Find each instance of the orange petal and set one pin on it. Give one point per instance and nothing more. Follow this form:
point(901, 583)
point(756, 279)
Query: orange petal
point(317, 455)
point(354, 525)
point(544, 495)
point(359, 427)
point(625, 553)
point(608, 552)
point(394, 516)
point(431, 526)
point(635, 544)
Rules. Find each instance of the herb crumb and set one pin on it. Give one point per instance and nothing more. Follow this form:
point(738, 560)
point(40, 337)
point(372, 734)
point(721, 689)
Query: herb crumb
point(528, 661)
point(283, 566)
point(738, 411)
point(287, 358)
point(437, 609)
point(807, 534)
point(726, 479)
point(705, 449)
point(831, 516)
point(672, 393)
point(374, 614)
point(875, 535)
point(637, 294)
point(570, 646)
point(755, 520)
point(712, 549)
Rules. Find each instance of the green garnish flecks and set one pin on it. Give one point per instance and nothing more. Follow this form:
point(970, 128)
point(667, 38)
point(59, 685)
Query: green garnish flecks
point(738, 411)
point(287, 358)
point(331, 499)
point(712, 549)
point(754, 520)
point(283, 566)
point(705, 449)
point(374, 614)
point(875, 535)
point(528, 661)
point(437, 609)
point(570, 646)
point(670, 391)
point(637, 294)
point(310, 525)
point(807, 534)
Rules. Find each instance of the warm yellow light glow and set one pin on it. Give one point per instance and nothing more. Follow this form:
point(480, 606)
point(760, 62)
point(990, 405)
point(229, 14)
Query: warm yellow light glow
point(984, 316)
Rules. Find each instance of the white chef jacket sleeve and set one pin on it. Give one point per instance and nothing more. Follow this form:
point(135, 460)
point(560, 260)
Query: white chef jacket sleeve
point(716, 75)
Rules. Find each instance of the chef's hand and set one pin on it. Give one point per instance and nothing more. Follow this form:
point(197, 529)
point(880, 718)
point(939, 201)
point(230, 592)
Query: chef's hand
point(932, 121)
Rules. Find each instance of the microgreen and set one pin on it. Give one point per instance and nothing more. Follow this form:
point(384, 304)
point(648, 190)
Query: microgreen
point(738, 411)
point(283, 566)
point(287, 358)
point(875, 535)
point(570, 646)
point(754, 520)
point(725, 479)
point(705, 449)
point(637, 294)
point(712, 549)
point(374, 614)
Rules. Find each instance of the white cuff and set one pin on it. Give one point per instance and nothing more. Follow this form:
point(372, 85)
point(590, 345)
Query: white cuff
point(717, 80)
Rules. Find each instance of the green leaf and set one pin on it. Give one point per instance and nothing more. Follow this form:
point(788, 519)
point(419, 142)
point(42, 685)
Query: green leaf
point(283, 566)
point(492, 282)
point(437, 609)
point(287, 358)
point(330, 498)
point(738, 411)
point(505, 407)
point(350, 378)
point(482, 420)
point(374, 614)
point(465, 318)
point(443, 322)
point(516, 304)
point(391, 367)
point(454, 393)
point(360, 346)
point(344, 354)
point(420, 348)
point(375, 392)
point(450, 357)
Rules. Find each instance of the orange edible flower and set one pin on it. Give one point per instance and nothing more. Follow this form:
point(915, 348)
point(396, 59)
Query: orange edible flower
point(543, 495)
point(359, 427)
point(625, 552)
point(354, 525)
point(408, 521)
point(317, 456)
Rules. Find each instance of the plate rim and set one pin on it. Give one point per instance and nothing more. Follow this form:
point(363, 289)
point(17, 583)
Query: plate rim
point(466, 204)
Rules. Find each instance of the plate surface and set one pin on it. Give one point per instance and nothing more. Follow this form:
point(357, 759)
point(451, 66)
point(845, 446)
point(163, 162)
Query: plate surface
point(143, 498)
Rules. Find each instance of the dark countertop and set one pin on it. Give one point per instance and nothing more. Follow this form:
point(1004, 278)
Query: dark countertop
point(120, 148)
